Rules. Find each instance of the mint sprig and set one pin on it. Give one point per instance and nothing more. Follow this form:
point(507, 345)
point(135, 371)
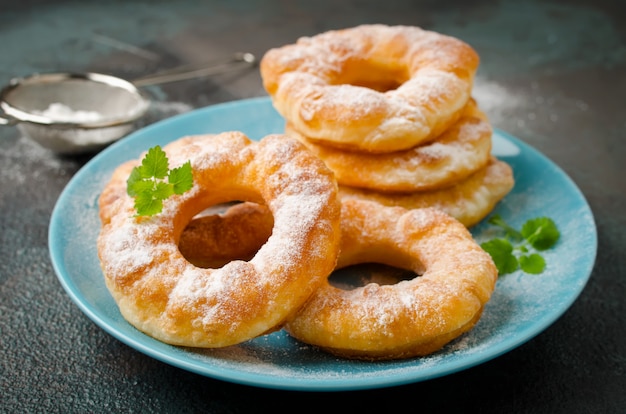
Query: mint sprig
point(152, 182)
point(521, 249)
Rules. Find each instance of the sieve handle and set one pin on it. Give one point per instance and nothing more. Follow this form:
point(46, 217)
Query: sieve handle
point(236, 61)
point(7, 119)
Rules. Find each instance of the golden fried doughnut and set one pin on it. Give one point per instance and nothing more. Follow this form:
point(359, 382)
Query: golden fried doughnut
point(469, 201)
point(413, 317)
point(162, 294)
point(460, 151)
point(375, 88)
point(111, 197)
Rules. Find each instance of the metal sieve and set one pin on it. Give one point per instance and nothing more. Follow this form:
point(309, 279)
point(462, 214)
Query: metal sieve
point(113, 104)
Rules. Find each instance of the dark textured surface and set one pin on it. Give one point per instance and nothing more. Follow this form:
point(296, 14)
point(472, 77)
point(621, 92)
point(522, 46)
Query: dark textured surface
point(552, 74)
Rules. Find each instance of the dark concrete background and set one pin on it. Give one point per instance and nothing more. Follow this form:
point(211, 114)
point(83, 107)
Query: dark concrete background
point(552, 73)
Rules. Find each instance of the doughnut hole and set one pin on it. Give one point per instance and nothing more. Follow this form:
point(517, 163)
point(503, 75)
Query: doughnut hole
point(212, 238)
point(377, 76)
point(359, 275)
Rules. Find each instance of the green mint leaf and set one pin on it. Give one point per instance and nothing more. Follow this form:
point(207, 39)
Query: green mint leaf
point(136, 188)
point(497, 220)
point(181, 178)
point(501, 251)
point(154, 164)
point(533, 263)
point(541, 233)
point(147, 184)
point(134, 182)
point(518, 249)
point(162, 191)
point(147, 205)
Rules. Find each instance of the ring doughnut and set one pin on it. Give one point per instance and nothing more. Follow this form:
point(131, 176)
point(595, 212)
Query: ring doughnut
point(460, 151)
point(374, 88)
point(413, 317)
point(468, 201)
point(162, 294)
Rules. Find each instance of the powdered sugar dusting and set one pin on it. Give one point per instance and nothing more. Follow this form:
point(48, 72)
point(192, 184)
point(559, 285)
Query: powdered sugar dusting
point(300, 211)
point(349, 103)
point(127, 250)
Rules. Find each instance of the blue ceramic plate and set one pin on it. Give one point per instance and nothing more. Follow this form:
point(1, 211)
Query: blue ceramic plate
point(522, 306)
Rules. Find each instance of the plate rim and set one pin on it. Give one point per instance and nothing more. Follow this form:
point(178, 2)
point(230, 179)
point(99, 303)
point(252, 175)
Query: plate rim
point(99, 317)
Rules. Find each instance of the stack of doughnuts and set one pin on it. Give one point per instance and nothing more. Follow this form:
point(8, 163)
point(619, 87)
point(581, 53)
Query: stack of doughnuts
point(385, 158)
point(389, 109)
